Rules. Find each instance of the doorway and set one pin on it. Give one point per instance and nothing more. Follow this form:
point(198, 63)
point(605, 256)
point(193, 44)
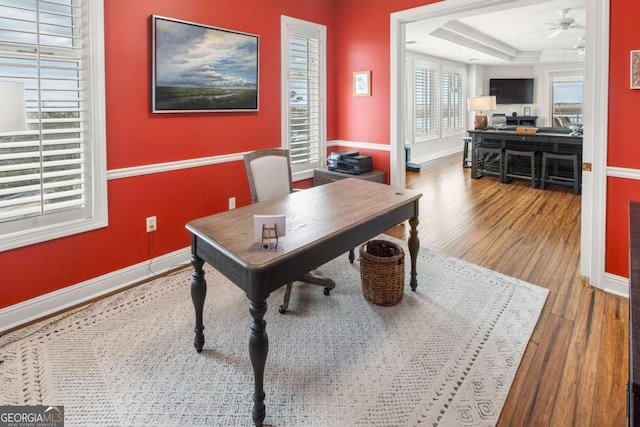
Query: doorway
point(592, 246)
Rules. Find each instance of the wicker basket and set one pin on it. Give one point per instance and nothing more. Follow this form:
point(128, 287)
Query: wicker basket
point(382, 272)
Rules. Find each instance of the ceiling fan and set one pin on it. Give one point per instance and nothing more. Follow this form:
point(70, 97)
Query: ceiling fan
point(563, 24)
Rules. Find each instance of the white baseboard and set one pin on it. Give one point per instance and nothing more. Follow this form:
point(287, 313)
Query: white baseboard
point(435, 156)
point(57, 301)
point(616, 285)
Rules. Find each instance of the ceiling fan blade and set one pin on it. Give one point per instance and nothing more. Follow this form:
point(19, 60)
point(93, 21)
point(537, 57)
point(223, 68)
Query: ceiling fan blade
point(554, 34)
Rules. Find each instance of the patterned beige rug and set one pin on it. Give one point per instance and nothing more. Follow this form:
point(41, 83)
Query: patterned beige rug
point(445, 355)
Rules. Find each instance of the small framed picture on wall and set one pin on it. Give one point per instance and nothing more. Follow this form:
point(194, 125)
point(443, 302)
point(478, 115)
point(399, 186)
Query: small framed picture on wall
point(362, 83)
point(635, 69)
point(527, 111)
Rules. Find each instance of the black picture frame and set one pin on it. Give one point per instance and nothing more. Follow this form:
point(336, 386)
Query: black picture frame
point(200, 68)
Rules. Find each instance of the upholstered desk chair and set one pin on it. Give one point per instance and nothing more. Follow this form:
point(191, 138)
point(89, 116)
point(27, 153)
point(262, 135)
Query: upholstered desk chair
point(269, 173)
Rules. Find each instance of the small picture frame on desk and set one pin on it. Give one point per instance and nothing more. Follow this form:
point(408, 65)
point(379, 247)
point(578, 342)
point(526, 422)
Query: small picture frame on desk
point(527, 111)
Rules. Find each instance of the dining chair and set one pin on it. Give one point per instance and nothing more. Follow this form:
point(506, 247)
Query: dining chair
point(269, 174)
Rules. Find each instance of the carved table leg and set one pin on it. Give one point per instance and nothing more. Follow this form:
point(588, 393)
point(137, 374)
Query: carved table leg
point(198, 294)
point(258, 349)
point(414, 246)
point(352, 255)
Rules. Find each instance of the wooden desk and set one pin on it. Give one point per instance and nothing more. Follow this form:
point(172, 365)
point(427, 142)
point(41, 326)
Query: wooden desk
point(321, 225)
point(542, 141)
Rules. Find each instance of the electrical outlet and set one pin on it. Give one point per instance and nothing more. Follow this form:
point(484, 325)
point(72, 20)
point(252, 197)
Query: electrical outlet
point(152, 224)
point(232, 203)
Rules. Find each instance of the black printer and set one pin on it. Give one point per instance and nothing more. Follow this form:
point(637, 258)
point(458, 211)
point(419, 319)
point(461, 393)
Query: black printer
point(351, 162)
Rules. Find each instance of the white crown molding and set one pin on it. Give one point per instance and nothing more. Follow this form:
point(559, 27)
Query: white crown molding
point(57, 301)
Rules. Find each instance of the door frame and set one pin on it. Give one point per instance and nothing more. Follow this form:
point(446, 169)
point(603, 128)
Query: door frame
point(595, 111)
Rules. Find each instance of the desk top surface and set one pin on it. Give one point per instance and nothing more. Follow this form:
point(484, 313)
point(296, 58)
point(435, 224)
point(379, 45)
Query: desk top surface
point(312, 216)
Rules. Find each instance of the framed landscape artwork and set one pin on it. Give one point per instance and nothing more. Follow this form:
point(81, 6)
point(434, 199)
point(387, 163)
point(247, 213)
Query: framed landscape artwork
point(199, 68)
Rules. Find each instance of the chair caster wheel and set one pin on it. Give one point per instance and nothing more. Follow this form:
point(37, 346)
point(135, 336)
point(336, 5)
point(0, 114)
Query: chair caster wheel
point(327, 291)
point(282, 310)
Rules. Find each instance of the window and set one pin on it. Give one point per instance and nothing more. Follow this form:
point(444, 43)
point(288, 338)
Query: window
point(426, 104)
point(435, 100)
point(453, 102)
point(303, 85)
point(53, 175)
point(566, 96)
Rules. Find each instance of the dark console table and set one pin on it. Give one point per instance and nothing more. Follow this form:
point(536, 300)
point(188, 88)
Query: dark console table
point(522, 120)
point(325, 176)
point(551, 142)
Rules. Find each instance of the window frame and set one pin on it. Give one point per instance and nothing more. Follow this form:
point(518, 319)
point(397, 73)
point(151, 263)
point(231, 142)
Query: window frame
point(564, 77)
point(414, 61)
point(297, 27)
point(92, 83)
point(436, 104)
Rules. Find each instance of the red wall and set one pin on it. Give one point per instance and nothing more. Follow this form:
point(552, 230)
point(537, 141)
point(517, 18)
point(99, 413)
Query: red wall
point(624, 128)
point(363, 28)
point(358, 33)
point(135, 137)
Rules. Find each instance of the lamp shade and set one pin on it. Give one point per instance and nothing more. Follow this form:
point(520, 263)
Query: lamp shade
point(13, 114)
point(481, 103)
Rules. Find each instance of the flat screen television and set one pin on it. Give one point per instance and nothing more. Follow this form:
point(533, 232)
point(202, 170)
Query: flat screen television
point(512, 91)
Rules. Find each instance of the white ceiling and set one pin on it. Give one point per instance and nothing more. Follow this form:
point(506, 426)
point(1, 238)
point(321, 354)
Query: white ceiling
point(509, 34)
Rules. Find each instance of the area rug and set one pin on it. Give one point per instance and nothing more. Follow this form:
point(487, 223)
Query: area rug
point(445, 355)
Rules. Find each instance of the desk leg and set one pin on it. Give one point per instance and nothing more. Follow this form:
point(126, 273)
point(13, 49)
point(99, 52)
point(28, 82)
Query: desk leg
point(198, 294)
point(258, 349)
point(414, 246)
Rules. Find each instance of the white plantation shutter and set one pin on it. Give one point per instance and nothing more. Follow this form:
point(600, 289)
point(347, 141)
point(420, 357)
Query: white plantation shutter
point(453, 102)
point(49, 173)
point(426, 106)
point(303, 80)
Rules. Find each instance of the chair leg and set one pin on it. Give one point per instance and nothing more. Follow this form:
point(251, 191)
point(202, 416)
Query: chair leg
point(287, 296)
point(317, 279)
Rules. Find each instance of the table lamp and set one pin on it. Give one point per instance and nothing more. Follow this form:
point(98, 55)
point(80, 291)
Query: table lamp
point(13, 113)
point(481, 103)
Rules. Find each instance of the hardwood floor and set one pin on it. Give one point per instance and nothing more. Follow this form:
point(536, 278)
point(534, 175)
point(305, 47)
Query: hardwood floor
point(575, 369)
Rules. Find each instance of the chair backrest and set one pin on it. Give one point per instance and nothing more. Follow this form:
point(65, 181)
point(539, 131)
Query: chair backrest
point(269, 173)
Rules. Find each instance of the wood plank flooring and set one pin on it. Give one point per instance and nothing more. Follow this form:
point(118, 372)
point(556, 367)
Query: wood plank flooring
point(575, 368)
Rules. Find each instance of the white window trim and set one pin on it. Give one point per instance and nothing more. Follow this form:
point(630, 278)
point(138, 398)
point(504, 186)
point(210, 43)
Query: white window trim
point(571, 75)
point(96, 150)
point(419, 63)
point(412, 62)
point(287, 22)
